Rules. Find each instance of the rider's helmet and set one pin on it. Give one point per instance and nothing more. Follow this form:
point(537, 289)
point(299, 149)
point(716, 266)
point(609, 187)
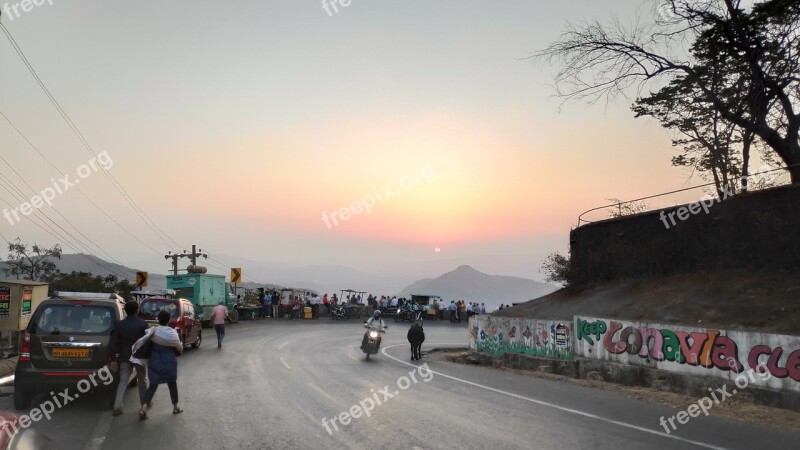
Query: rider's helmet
point(377, 314)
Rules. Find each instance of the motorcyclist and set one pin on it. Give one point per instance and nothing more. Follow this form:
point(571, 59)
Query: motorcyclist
point(374, 322)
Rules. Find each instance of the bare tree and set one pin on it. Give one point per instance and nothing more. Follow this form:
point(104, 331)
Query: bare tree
point(35, 264)
point(626, 208)
point(759, 50)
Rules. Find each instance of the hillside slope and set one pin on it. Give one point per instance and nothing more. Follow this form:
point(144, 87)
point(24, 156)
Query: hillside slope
point(743, 300)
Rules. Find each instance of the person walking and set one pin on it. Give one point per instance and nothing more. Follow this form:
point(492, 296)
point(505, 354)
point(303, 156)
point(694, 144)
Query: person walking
point(162, 366)
point(126, 332)
point(276, 305)
point(218, 315)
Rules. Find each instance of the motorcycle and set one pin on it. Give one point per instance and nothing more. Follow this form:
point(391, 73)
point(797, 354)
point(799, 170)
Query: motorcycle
point(340, 313)
point(373, 344)
point(410, 316)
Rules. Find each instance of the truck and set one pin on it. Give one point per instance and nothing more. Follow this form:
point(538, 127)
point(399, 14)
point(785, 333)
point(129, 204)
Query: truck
point(205, 291)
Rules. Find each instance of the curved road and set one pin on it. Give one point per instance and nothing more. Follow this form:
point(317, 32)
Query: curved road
point(275, 381)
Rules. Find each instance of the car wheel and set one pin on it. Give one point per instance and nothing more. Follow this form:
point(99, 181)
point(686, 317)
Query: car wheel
point(22, 399)
point(199, 339)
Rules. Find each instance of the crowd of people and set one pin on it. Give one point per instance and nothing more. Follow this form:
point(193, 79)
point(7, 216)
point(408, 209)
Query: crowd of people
point(270, 306)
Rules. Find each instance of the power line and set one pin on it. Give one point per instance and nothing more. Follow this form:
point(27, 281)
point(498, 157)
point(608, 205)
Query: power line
point(78, 188)
point(59, 213)
point(60, 239)
point(117, 185)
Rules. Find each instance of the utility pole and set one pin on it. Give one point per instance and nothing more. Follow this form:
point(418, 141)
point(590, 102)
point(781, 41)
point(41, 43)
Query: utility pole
point(192, 257)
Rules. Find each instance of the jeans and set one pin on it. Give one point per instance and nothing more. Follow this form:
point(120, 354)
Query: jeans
point(275, 310)
point(173, 392)
point(125, 369)
point(220, 329)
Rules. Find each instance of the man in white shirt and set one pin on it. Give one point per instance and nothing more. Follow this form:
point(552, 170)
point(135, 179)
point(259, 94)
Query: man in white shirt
point(315, 301)
point(394, 302)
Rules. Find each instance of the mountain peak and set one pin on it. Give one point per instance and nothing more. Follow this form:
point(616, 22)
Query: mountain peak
point(467, 283)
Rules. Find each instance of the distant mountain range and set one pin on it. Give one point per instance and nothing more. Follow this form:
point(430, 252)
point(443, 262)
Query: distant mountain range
point(466, 283)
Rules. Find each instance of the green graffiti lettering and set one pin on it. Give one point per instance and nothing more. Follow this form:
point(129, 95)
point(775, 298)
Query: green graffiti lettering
point(672, 347)
point(587, 330)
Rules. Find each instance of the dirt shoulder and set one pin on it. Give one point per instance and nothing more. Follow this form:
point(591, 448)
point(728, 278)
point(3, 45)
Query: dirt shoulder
point(734, 408)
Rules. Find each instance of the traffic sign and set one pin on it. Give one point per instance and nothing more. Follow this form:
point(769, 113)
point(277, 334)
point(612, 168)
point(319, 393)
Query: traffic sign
point(141, 279)
point(236, 275)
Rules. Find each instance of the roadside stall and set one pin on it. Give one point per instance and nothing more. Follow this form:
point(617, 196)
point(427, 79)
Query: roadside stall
point(18, 300)
point(357, 308)
point(426, 303)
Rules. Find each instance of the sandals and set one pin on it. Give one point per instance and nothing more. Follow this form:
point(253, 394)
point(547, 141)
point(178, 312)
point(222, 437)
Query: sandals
point(177, 410)
point(142, 414)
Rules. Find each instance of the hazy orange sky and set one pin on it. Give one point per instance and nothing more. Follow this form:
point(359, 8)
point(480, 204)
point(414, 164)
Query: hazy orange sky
point(235, 126)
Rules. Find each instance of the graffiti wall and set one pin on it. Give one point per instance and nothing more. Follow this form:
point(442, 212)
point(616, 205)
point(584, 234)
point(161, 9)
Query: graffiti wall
point(690, 350)
point(500, 335)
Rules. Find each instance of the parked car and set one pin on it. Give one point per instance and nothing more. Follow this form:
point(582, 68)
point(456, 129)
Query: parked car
point(66, 340)
point(182, 317)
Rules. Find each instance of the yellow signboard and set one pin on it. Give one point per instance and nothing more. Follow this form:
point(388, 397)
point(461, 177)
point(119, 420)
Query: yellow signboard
point(141, 279)
point(236, 275)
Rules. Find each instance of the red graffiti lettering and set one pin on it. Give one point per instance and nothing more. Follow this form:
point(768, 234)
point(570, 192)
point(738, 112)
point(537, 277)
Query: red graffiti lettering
point(772, 364)
point(725, 354)
point(755, 353)
point(793, 365)
point(791, 370)
point(614, 348)
point(633, 347)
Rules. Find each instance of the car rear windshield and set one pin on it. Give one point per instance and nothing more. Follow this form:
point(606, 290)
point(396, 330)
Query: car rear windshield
point(151, 308)
point(71, 319)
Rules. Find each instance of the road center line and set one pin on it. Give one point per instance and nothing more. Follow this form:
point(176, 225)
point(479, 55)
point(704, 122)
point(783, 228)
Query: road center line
point(285, 364)
point(553, 405)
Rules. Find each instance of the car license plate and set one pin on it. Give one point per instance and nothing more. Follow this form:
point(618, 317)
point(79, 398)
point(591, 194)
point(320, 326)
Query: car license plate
point(70, 352)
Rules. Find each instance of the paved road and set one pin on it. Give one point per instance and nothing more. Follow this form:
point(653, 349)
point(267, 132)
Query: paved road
point(275, 381)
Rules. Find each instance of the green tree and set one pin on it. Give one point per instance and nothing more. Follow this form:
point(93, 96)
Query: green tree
point(557, 269)
point(87, 282)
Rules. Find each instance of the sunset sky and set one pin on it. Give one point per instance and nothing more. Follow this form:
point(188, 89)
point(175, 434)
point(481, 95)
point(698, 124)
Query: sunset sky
point(235, 125)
